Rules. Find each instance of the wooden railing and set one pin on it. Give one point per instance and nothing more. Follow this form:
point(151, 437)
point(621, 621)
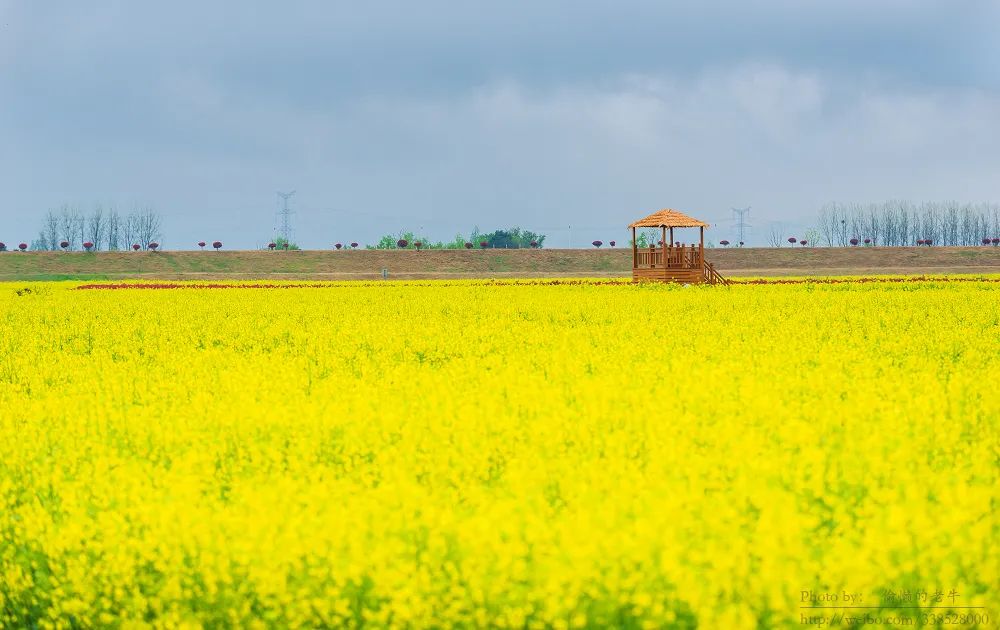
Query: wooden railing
point(671, 257)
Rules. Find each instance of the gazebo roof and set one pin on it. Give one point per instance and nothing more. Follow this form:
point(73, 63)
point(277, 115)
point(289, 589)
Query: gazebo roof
point(668, 218)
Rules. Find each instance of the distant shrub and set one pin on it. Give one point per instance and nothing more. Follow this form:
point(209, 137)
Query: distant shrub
point(803, 243)
point(136, 247)
point(596, 243)
point(271, 246)
point(995, 241)
point(87, 246)
point(22, 246)
point(854, 242)
point(484, 244)
point(534, 244)
point(418, 244)
point(354, 245)
point(401, 243)
point(201, 244)
point(724, 243)
point(987, 241)
point(792, 240)
point(338, 245)
point(468, 246)
point(3, 247)
point(153, 246)
point(217, 245)
point(64, 244)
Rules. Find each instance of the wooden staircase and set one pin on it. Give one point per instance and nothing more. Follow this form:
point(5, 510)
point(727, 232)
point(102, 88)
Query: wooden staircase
point(711, 276)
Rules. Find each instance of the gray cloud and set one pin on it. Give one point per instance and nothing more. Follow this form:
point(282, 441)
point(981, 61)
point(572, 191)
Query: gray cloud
point(541, 114)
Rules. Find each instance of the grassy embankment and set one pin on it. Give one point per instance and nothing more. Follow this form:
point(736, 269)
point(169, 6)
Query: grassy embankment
point(368, 264)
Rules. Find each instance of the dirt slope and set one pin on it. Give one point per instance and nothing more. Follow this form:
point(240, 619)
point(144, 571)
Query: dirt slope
point(367, 264)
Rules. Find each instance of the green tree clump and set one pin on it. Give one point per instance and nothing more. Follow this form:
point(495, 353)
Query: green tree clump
point(513, 238)
point(281, 241)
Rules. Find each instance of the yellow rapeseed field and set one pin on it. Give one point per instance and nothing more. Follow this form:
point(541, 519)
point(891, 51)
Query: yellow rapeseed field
point(473, 454)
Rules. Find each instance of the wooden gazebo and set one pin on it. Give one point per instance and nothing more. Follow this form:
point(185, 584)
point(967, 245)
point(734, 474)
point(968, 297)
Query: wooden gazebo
point(670, 261)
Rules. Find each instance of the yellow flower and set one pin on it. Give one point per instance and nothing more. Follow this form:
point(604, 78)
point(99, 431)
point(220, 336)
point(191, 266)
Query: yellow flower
point(456, 454)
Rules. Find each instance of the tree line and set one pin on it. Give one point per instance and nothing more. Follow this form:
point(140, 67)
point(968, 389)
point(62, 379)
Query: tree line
point(903, 223)
point(888, 223)
point(106, 229)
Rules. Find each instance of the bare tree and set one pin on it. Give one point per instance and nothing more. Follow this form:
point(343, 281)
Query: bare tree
point(71, 226)
point(812, 236)
point(97, 227)
point(948, 223)
point(903, 233)
point(873, 222)
point(129, 230)
point(894, 223)
point(114, 230)
point(147, 226)
point(829, 223)
point(856, 222)
point(775, 235)
point(929, 223)
point(49, 236)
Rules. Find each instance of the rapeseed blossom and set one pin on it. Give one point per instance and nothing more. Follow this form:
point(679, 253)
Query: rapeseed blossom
point(486, 454)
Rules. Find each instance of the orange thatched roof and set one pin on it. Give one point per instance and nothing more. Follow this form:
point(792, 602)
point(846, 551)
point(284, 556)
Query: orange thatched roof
point(668, 218)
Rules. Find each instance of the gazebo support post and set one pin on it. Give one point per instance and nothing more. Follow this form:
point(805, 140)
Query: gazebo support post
point(663, 247)
point(635, 249)
point(701, 247)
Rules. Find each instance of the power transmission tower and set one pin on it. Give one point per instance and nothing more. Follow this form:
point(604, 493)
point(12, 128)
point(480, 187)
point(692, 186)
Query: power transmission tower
point(285, 213)
point(740, 215)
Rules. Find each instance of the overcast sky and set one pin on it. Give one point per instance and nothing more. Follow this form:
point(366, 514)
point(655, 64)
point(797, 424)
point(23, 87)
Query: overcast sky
point(390, 115)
